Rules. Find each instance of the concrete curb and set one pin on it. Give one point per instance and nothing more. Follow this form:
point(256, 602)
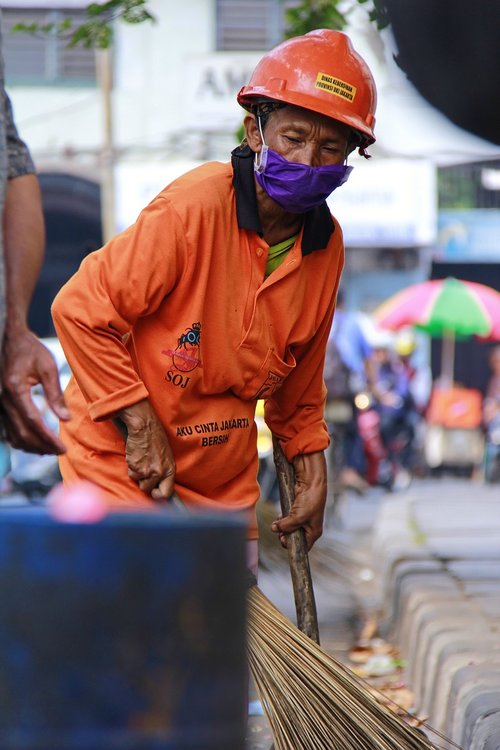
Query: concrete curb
point(437, 563)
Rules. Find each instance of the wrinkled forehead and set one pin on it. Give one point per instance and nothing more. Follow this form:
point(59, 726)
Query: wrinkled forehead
point(299, 118)
point(285, 114)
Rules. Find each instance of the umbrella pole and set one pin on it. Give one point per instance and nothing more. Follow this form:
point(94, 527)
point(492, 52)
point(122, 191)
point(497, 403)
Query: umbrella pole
point(448, 359)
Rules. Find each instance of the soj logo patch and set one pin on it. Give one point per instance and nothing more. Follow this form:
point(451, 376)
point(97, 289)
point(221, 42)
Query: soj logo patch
point(186, 356)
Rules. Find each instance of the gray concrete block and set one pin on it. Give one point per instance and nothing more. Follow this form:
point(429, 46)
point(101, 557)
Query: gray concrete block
point(451, 515)
point(481, 570)
point(475, 694)
point(486, 733)
point(416, 595)
point(447, 654)
point(489, 604)
point(437, 560)
point(439, 624)
point(455, 656)
point(405, 574)
point(464, 547)
point(482, 708)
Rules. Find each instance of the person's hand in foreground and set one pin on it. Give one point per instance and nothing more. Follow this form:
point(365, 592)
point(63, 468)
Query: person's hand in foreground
point(27, 362)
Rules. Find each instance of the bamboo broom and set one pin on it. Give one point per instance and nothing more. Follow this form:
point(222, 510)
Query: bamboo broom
point(312, 701)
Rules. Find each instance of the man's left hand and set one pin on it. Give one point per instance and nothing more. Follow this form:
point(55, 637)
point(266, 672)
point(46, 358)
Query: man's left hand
point(26, 362)
point(310, 499)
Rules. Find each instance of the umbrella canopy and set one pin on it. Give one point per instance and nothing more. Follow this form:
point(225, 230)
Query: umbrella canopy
point(448, 308)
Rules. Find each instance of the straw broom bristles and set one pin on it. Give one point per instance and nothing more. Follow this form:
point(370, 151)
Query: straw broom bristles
point(312, 701)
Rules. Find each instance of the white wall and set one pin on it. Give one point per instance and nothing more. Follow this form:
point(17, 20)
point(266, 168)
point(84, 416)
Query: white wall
point(65, 124)
point(55, 121)
point(151, 70)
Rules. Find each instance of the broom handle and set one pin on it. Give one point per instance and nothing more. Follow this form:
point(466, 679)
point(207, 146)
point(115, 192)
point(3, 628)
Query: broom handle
point(298, 558)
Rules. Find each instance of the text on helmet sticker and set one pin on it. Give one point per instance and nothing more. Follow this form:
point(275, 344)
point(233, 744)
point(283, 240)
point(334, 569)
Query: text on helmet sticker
point(335, 86)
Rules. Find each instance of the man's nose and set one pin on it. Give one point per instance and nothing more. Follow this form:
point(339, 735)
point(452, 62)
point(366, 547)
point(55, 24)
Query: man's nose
point(310, 155)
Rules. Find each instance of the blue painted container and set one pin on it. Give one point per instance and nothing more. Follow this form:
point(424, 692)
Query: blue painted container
point(127, 634)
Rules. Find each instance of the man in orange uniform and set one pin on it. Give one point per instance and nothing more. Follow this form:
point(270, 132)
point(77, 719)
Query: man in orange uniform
point(223, 293)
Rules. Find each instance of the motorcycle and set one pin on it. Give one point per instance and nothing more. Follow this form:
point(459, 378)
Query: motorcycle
point(387, 463)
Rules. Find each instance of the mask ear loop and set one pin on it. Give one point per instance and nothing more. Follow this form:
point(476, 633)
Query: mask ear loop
point(260, 160)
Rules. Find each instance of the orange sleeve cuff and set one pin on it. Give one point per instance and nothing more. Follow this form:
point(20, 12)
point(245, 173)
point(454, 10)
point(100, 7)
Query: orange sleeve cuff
point(308, 441)
point(105, 407)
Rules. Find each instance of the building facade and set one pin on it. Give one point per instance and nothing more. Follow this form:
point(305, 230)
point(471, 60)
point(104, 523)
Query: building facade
point(108, 131)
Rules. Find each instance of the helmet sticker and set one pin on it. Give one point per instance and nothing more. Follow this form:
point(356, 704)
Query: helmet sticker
point(335, 86)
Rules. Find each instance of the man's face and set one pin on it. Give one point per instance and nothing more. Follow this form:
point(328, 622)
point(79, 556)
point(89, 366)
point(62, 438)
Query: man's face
point(303, 137)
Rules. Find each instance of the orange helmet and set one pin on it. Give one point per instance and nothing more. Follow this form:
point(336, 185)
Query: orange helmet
point(319, 71)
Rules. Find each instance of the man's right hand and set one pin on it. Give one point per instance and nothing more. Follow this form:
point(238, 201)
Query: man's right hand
point(148, 453)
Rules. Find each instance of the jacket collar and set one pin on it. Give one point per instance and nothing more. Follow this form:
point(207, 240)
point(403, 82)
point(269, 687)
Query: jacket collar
point(318, 223)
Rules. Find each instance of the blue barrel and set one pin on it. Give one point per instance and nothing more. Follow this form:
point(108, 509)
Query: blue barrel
point(128, 633)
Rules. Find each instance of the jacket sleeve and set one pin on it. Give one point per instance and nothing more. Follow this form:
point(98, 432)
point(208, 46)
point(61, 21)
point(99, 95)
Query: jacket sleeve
point(295, 413)
point(19, 160)
point(126, 279)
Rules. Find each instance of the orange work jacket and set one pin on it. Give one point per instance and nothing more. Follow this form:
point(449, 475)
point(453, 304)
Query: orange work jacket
point(176, 309)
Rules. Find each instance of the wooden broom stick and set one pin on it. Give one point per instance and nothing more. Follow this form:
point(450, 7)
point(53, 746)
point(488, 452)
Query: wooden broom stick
point(298, 558)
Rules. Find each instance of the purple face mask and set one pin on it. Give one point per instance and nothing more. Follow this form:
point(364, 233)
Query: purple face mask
point(297, 187)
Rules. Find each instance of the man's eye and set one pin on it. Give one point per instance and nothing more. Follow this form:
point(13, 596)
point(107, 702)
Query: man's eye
point(292, 140)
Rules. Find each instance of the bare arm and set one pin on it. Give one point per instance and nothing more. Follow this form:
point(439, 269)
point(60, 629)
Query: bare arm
point(26, 361)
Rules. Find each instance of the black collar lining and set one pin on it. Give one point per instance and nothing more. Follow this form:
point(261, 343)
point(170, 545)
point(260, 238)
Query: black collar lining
point(318, 223)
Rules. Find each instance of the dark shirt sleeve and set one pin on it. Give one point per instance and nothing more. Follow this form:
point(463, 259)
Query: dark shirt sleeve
point(18, 156)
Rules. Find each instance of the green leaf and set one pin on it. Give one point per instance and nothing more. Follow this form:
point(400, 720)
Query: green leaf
point(379, 14)
point(65, 24)
point(30, 28)
point(98, 9)
point(314, 14)
point(92, 34)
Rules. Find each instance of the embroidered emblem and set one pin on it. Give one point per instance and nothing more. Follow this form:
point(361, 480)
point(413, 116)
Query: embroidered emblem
point(270, 385)
point(186, 356)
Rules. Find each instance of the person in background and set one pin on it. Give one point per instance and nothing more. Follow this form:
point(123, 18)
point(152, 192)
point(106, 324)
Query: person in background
point(491, 403)
point(418, 372)
point(419, 377)
point(349, 370)
point(222, 293)
point(491, 419)
point(25, 361)
point(393, 401)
